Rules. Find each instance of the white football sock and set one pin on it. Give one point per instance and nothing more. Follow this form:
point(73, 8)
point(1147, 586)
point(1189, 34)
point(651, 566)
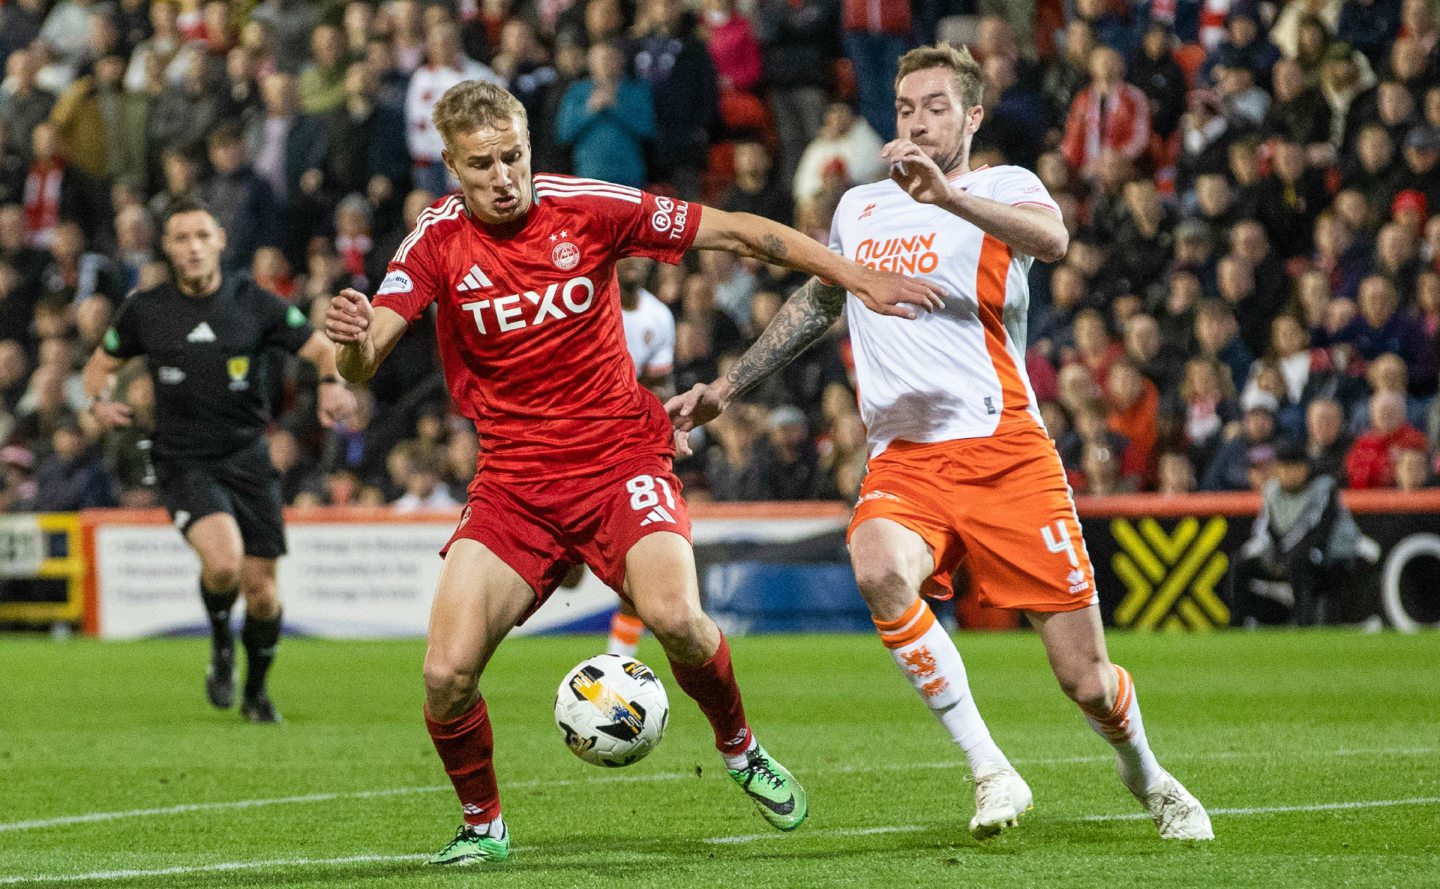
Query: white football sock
point(1125, 731)
point(741, 759)
point(927, 656)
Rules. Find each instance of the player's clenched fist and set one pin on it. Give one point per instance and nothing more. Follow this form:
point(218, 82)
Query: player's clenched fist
point(348, 317)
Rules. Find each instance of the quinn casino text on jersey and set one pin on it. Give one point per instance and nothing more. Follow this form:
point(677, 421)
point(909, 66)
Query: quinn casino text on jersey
point(910, 255)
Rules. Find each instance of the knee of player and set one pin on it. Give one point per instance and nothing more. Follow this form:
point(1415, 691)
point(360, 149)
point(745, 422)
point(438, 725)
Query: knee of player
point(1088, 688)
point(445, 682)
point(221, 573)
point(883, 584)
point(675, 625)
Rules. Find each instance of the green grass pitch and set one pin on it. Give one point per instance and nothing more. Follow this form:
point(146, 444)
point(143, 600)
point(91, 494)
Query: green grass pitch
point(1317, 753)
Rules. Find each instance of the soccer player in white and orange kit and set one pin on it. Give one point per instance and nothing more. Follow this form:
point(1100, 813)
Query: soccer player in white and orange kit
point(960, 462)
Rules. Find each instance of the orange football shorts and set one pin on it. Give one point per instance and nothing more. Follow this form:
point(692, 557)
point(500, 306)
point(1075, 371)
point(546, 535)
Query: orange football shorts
point(1001, 501)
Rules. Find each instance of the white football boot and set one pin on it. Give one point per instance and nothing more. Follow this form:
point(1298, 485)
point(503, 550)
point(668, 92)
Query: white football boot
point(1001, 797)
point(1177, 813)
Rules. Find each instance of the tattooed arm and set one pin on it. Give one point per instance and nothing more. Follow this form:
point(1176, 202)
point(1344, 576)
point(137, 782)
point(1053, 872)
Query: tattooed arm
point(754, 236)
point(803, 319)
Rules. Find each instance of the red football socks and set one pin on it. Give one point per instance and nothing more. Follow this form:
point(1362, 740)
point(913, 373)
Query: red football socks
point(466, 746)
point(712, 685)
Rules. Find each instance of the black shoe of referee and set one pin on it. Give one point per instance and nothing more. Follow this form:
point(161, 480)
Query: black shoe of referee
point(258, 709)
point(220, 677)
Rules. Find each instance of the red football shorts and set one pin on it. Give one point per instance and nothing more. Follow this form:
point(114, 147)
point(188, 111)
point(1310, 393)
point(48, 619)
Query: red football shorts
point(1001, 501)
point(541, 527)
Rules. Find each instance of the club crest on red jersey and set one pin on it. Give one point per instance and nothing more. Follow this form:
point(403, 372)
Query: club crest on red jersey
point(565, 254)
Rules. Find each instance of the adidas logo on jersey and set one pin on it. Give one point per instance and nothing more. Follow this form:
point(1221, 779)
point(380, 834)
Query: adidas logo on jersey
point(657, 515)
point(474, 280)
point(201, 334)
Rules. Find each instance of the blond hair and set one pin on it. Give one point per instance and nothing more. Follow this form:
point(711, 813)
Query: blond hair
point(969, 80)
point(471, 104)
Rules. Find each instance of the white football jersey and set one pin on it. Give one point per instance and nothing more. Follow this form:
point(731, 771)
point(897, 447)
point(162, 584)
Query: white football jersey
point(958, 372)
point(650, 335)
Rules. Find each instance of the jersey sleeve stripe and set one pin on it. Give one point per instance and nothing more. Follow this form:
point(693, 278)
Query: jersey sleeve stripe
point(549, 193)
point(549, 179)
point(425, 220)
point(569, 188)
point(448, 210)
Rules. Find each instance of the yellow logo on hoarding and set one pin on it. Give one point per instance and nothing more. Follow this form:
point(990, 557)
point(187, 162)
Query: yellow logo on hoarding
point(1170, 579)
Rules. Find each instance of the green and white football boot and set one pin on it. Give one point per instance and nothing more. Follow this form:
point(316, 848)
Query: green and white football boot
point(472, 847)
point(772, 788)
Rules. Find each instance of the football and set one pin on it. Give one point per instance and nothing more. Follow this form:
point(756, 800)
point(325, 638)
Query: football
point(612, 710)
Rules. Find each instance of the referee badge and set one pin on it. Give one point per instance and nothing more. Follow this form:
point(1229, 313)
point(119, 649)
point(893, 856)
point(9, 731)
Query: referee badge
point(239, 369)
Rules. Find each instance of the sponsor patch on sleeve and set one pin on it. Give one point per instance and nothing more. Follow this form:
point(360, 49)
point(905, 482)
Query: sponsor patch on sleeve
point(396, 282)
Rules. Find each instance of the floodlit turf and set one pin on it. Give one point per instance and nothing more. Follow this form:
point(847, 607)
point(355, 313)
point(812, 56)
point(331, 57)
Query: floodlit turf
point(1276, 733)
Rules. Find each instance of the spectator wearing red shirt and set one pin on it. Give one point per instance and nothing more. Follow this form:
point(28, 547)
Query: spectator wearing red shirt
point(1134, 414)
point(1109, 113)
point(1371, 461)
point(1094, 349)
point(733, 46)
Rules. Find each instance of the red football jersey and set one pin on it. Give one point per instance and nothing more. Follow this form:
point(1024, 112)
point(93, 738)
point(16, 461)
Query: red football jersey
point(529, 321)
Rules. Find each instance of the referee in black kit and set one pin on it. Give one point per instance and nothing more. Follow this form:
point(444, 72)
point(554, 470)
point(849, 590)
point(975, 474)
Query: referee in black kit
point(206, 337)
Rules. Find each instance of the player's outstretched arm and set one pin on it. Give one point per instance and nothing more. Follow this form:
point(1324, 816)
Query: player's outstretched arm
point(749, 235)
point(333, 401)
point(364, 334)
point(96, 377)
point(804, 318)
point(1032, 230)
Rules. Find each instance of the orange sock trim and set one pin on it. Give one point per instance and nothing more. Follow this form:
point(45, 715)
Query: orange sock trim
point(627, 628)
point(1116, 723)
point(914, 623)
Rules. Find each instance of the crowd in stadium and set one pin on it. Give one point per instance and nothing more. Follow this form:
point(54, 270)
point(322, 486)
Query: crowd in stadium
point(1251, 190)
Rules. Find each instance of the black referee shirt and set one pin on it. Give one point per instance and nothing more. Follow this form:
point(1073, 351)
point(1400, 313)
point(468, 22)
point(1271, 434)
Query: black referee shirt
point(207, 361)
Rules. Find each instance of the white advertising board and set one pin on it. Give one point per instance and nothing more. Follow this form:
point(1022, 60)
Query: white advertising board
point(342, 579)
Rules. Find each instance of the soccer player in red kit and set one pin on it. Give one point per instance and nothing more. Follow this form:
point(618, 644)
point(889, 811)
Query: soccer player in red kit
point(575, 461)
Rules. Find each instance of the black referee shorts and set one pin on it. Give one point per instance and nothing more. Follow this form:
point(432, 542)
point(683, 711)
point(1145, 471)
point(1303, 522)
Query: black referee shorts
point(243, 484)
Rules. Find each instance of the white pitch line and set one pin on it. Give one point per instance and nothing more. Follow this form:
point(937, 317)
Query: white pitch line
point(1279, 810)
point(1127, 816)
point(95, 876)
point(222, 867)
point(188, 808)
point(841, 832)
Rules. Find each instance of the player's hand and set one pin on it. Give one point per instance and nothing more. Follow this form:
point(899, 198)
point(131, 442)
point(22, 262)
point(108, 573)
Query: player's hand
point(682, 444)
point(887, 293)
point(335, 403)
point(694, 408)
point(112, 414)
point(913, 170)
point(348, 319)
